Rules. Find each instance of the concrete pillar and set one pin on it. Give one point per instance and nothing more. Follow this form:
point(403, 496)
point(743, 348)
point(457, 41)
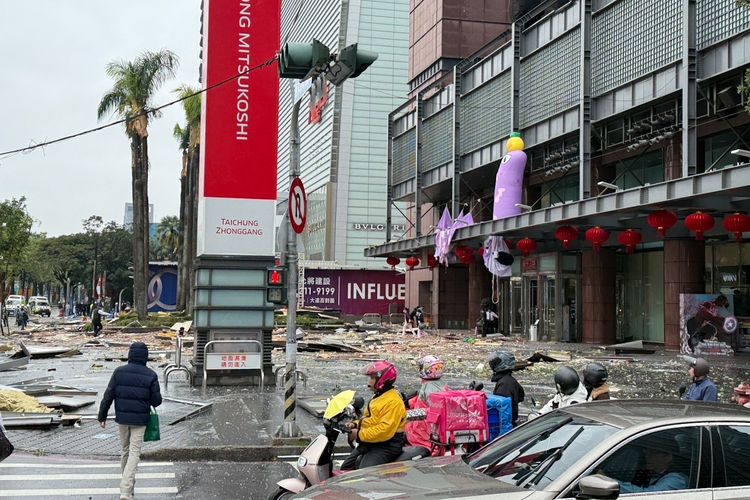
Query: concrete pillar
point(598, 308)
point(673, 159)
point(684, 272)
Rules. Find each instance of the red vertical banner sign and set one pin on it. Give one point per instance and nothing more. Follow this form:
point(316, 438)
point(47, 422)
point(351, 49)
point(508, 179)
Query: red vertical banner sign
point(239, 128)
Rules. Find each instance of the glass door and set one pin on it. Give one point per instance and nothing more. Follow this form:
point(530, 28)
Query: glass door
point(530, 303)
point(569, 314)
point(516, 306)
point(548, 324)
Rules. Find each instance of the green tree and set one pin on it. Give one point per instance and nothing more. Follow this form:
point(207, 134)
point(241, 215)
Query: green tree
point(168, 238)
point(67, 257)
point(15, 231)
point(188, 137)
point(135, 83)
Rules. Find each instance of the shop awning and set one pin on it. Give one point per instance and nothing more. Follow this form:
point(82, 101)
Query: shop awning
point(719, 192)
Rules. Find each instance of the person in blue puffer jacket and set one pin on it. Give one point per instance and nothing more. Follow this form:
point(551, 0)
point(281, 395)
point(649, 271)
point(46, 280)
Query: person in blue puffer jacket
point(134, 388)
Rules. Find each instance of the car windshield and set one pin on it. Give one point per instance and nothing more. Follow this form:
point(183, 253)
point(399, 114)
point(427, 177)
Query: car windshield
point(537, 453)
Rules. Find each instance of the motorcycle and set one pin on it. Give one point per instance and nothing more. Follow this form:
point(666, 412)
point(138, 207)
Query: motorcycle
point(315, 464)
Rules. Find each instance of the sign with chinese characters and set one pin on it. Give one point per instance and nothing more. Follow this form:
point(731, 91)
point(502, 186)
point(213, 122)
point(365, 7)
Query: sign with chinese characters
point(354, 292)
point(234, 361)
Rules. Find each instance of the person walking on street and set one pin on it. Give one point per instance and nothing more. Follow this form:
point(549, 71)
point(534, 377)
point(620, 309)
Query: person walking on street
point(134, 388)
point(490, 320)
point(96, 320)
point(502, 364)
point(702, 388)
point(23, 318)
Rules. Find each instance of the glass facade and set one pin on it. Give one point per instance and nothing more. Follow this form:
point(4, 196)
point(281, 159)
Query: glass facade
point(640, 306)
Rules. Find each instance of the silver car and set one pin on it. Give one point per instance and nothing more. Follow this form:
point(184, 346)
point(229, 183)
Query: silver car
point(608, 449)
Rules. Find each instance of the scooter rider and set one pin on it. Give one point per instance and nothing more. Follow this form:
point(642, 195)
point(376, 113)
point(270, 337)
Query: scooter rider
point(570, 390)
point(595, 377)
point(380, 432)
point(430, 372)
point(502, 364)
point(702, 388)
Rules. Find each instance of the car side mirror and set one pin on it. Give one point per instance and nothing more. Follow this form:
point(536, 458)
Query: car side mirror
point(598, 486)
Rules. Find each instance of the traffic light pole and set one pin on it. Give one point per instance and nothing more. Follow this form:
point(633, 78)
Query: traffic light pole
point(289, 428)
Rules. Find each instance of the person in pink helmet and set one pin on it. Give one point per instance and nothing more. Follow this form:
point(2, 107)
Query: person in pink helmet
point(430, 372)
point(380, 433)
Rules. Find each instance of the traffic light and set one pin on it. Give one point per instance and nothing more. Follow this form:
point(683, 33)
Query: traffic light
point(276, 285)
point(350, 63)
point(300, 60)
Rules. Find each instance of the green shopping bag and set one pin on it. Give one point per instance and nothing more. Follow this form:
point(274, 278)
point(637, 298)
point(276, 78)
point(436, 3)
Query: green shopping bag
point(152, 429)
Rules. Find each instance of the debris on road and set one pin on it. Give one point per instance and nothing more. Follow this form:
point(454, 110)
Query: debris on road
point(15, 401)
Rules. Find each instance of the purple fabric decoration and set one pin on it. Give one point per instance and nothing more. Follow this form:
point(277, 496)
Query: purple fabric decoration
point(492, 246)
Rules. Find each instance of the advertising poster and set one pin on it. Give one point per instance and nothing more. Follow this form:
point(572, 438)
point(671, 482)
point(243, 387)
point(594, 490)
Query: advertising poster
point(239, 126)
point(707, 324)
point(354, 292)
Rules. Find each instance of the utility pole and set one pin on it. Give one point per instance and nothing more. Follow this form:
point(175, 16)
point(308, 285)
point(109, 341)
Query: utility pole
point(290, 428)
point(304, 61)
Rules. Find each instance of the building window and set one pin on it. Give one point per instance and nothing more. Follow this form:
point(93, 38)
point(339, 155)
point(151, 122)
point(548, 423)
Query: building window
point(559, 191)
point(717, 151)
point(643, 170)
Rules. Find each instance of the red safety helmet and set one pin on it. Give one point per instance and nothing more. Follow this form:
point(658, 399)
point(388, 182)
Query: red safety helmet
point(385, 374)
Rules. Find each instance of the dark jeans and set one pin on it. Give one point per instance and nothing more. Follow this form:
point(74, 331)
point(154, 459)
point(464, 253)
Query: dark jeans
point(372, 454)
point(97, 327)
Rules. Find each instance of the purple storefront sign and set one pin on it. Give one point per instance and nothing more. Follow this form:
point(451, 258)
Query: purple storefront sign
point(354, 292)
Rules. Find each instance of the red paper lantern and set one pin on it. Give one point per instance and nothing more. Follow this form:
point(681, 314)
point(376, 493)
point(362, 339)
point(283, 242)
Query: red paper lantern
point(526, 245)
point(509, 243)
point(597, 236)
point(699, 223)
point(432, 262)
point(566, 234)
point(662, 221)
point(737, 223)
point(481, 252)
point(462, 251)
point(412, 262)
point(393, 261)
point(630, 238)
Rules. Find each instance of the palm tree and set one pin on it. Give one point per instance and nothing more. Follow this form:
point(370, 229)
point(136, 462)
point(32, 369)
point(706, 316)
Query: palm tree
point(188, 137)
point(135, 83)
point(168, 235)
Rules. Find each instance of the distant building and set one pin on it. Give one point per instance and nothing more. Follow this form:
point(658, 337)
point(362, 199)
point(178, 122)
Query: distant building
point(128, 219)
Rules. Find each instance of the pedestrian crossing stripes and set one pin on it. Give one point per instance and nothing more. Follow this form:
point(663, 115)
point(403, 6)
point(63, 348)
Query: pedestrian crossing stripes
point(52, 477)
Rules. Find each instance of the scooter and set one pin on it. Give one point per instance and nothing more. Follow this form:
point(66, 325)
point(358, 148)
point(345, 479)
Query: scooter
point(315, 464)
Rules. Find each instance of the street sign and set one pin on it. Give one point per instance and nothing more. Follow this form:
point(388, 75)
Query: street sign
point(297, 206)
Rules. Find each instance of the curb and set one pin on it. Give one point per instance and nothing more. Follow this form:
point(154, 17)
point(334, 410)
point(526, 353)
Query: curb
point(227, 453)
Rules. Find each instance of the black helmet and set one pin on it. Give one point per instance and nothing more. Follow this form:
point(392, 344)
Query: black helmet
point(502, 361)
point(700, 367)
point(594, 375)
point(566, 380)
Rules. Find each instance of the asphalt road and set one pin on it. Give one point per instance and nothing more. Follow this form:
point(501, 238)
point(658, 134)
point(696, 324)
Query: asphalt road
point(53, 477)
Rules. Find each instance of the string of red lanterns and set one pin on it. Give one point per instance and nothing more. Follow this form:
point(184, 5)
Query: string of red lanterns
point(412, 262)
point(662, 220)
point(393, 261)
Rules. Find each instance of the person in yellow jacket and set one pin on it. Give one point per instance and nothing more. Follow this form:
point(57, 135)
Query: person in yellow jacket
point(380, 433)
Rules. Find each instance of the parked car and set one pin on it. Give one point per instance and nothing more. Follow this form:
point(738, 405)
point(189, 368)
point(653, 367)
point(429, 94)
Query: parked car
point(12, 302)
point(606, 449)
point(40, 306)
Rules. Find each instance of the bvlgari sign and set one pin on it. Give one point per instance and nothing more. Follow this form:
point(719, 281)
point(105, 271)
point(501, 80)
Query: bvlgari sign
point(366, 226)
